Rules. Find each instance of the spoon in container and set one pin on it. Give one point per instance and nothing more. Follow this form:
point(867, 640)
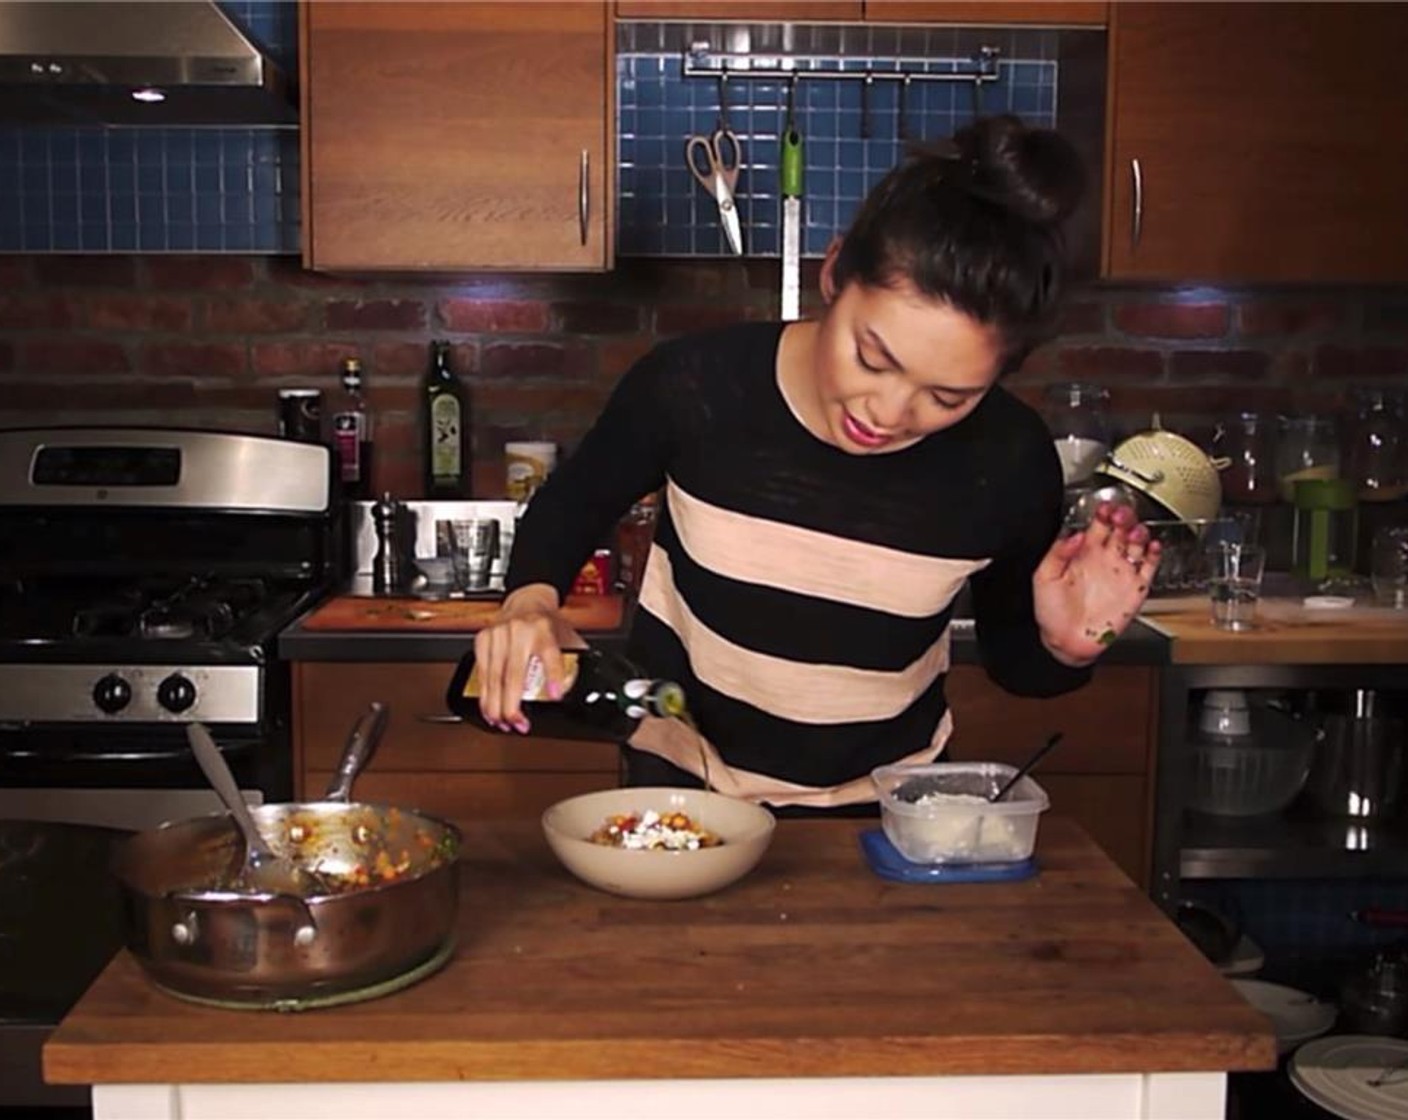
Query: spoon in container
point(1026, 767)
point(264, 870)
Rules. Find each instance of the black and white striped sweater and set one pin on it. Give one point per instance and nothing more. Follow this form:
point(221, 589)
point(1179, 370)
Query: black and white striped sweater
point(800, 594)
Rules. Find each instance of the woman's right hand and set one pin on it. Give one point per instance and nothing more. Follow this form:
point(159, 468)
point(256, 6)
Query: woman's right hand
point(529, 624)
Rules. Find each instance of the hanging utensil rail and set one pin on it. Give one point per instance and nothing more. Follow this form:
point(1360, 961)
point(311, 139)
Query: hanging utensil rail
point(701, 62)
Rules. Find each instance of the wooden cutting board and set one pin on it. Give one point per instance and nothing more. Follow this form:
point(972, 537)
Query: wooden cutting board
point(355, 612)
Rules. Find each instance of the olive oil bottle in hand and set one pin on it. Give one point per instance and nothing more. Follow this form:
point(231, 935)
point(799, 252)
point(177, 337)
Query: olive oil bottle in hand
point(606, 697)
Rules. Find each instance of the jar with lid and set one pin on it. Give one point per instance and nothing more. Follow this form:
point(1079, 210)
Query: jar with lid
point(1307, 449)
point(1377, 457)
point(1077, 414)
point(1248, 440)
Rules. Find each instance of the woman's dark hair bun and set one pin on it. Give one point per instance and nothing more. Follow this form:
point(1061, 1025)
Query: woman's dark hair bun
point(1033, 173)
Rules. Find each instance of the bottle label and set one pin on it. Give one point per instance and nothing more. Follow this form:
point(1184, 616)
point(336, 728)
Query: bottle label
point(445, 437)
point(347, 434)
point(535, 684)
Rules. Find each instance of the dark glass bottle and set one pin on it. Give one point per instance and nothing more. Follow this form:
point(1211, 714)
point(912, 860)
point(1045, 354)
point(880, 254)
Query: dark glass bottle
point(607, 698)
point(352, 436)
point(445, 427)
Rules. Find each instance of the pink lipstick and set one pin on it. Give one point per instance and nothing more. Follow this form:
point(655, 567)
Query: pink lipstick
point(859, 434)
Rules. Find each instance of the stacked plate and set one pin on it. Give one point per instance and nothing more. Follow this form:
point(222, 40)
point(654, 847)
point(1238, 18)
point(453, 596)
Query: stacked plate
point(1297, 1016)
point(1356, 1076)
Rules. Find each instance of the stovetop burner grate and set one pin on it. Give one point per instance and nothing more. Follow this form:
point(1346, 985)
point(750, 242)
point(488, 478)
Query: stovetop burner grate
point(171, 610)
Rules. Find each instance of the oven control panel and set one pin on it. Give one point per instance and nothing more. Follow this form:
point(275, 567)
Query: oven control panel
point(130, 693)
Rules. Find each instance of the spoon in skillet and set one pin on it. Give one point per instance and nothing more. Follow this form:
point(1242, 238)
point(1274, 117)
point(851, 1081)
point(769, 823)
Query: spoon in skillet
point(264, 869)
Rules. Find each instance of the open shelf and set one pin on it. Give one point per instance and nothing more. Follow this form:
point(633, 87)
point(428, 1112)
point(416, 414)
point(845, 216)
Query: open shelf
point(1292, 844)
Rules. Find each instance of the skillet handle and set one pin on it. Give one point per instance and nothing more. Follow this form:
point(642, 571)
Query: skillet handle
point(360, 746)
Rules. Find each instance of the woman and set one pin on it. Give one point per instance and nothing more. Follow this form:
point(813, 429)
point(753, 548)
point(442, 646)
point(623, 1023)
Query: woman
point(830, 485)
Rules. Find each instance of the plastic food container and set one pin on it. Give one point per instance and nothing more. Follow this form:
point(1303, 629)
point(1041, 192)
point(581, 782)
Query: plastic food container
point(939, 813)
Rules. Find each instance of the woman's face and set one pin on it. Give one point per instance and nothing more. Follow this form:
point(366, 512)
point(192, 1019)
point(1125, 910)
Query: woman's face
point(892, 365)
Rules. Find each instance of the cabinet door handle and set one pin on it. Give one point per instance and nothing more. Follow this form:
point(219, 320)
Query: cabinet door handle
point(584, 198)
point(1136, 170)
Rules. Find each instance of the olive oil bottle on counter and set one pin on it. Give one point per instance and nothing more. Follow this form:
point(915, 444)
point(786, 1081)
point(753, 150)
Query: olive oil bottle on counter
point(607, 697)
point(445, 427)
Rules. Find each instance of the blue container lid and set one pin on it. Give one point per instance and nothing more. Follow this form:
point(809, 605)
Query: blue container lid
point(885, 860)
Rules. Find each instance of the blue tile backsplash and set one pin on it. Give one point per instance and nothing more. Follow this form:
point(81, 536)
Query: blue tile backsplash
point(165, 190)
point(664, 211)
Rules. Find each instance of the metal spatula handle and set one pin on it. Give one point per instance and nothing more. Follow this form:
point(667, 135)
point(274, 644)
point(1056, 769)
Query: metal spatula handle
point(217, 773)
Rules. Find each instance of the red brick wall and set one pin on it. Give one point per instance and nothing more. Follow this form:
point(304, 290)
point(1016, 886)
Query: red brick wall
point(207, 341)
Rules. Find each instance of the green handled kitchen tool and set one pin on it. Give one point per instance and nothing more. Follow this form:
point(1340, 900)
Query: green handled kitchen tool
point(792, 175)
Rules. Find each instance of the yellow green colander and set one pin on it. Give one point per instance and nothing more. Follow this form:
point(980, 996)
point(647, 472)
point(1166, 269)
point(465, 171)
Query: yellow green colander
point(1172, 470)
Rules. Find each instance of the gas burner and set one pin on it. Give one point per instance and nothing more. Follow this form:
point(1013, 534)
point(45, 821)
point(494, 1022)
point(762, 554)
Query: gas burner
point(163, 622)
point(200, 606)
point(111, 618)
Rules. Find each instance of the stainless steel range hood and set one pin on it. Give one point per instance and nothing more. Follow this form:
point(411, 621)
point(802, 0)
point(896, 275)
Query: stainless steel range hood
point(179, 62)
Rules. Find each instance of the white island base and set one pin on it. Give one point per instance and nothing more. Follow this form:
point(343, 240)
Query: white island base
point(1103, 1096)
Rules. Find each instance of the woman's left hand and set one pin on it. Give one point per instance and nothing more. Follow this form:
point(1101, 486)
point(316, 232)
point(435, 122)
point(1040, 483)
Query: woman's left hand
point(1090, 585)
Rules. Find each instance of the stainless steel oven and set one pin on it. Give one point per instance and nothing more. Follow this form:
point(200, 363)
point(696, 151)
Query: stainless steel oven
point(145, 575)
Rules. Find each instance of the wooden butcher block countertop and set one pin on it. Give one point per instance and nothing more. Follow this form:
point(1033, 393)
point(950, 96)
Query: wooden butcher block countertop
point(1287, 633)
point(810, 966)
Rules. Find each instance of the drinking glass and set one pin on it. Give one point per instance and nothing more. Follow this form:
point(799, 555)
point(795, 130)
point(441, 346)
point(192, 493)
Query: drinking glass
point(1234, 584)
point(475, 545)
point(1389, 571)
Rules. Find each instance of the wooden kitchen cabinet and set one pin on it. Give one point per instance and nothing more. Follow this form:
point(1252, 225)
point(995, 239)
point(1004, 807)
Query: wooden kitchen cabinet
point(443, 137)
point(453, 770)
point(1257, 142)
point(1102, 773)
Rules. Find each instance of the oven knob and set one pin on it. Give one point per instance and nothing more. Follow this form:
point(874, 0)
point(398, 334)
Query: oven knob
point(112, 694)
point(176, 693)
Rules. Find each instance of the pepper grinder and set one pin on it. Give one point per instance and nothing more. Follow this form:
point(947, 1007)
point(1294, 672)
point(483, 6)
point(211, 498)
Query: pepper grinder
point(386, 565)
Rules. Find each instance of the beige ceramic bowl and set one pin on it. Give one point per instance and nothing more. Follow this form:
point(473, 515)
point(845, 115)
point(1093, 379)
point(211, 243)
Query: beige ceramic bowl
point(746, 830)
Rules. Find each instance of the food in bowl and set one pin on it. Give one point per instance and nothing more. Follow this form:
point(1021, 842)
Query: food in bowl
point(940, 812)
point(673, 832)
point(744, 831)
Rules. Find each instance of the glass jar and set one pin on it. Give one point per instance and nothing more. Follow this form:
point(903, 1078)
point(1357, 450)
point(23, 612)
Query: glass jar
point(1249, 441)
point(1307, 449)
point(1377, 457)
point(1077, 415)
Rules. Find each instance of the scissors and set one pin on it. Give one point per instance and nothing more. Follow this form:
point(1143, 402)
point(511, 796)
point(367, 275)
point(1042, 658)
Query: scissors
point(718, 172)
